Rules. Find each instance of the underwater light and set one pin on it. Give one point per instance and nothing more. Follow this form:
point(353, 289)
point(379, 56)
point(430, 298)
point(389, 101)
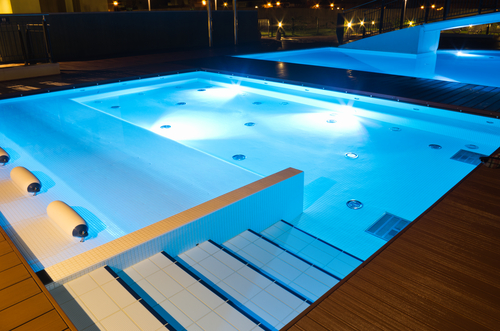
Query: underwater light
point(435, 146)
point(239, 157)
point(354, 204)
point(351, 155)
point(250, 124)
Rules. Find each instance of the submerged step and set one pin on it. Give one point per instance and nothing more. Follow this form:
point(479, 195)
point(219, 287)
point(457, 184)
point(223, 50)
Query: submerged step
point(265, 297)
point(297, 273)
point(175, 291)
point(101, 300)
point(313, 249)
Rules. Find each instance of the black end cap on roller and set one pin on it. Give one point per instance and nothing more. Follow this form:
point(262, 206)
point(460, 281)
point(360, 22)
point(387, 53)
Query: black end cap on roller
point(81, 230)
point(34, 187)
point(4, 158)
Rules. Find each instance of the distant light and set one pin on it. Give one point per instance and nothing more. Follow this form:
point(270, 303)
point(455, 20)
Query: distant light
point(373, 22)
point(269, 4)
point(225, 4)
point(331, 5)
point(204, 3)
point(470, 26)
point(349, 24)
point(433, 6)
point(338, 7)
point(411, 23)
point(278, 3)
point(317, 5)
point(256, 6)
point(279, 24)
point(115, 3)
point(362, 22)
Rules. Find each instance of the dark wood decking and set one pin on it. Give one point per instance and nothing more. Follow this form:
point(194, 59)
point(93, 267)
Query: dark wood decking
point(25, 304)
point(441, 273)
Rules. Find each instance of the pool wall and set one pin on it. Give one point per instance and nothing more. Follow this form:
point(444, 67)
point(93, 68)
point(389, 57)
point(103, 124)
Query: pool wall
point(256, 206)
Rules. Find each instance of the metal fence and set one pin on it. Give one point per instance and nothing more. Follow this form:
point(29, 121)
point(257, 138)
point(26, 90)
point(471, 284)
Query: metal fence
point(379, 16)
point(24, 39)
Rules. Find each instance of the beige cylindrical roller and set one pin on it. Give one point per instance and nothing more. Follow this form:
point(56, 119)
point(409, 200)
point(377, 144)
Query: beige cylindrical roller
point(67, 219)
point(4, 156)
point(25, 180)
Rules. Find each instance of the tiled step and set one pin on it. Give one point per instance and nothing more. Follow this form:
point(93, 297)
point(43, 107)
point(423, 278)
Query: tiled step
point(100, 300)
point(313, 249)
point(265, 297)
point(172, 290)
point(297, 273)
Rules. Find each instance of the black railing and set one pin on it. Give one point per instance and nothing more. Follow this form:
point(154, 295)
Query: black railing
point(24, 39)
point(381, 16)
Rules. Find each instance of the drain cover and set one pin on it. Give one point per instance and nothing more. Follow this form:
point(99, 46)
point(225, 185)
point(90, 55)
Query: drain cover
point(331, 121)
point(165, 126)
point(239, 157)
point(387, 226)
point(250, 124)
point(395, 128)
point(354, 204)
point(201, 90)
point(467, 157)
point(257, 103)
point(434, 146)
point(471, 146)
point(181, 103)
point(115, 106)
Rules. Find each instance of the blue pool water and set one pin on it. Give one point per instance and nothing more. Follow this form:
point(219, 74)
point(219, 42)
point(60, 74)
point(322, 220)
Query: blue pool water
point(131, 154)
point(473, 67)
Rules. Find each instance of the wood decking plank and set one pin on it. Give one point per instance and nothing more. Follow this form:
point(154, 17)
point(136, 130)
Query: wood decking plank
point(18, 292)
point(50, 321)
point(8, 261)
point(5, 248)
point(24, 311)
point(13, 275)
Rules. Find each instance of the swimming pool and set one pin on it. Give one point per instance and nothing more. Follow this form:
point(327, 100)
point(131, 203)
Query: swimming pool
point(128, 154)
point(473, 67)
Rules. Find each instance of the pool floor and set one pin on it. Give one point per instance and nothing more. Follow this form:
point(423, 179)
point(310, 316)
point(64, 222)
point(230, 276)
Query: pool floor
point(131, 154)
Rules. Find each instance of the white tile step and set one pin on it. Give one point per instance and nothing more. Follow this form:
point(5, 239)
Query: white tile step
point(319, 252)
point(101, 300)
point(297, 273)
point(175, 291)
point(271, 301)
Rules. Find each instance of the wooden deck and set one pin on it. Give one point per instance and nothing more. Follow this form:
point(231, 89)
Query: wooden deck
point(25, 304)
point(442, 272)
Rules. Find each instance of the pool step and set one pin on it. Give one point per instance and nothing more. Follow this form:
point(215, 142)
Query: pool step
point(313, 249)
point(101, 300)
point(297, 273)
point(267, 298)
point(174, 291)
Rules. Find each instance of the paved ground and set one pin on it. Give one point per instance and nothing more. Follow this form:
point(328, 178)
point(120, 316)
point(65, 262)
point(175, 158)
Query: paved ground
point(482, 100)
